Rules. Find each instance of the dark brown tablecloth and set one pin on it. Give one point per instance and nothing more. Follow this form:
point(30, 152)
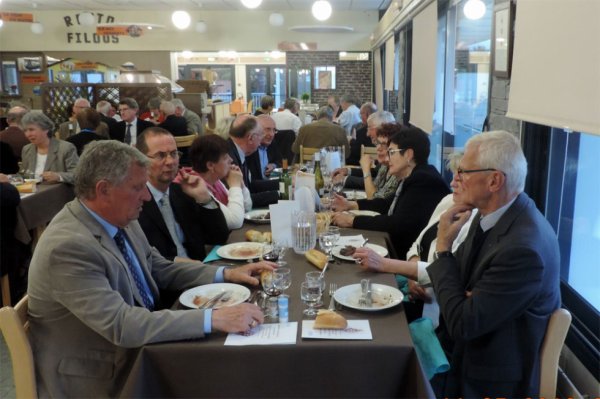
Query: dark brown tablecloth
point(37, 209)
point(386, 366)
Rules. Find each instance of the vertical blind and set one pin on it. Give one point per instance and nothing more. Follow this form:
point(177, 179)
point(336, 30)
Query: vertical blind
point(424, 49)
point(378, 78)
point(389, 63)
point(556, 64)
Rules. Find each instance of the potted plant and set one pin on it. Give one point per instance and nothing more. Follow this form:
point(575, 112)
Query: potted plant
point(305, 97)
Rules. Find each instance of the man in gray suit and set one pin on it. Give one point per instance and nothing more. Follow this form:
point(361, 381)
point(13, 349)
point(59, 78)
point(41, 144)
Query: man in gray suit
point(193, 120)
point(497, 292)
point(94, 281)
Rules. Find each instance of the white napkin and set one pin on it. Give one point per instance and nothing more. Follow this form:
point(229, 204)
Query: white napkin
point(333, 160)
point(355, 241)
point(305, 198)
point(281, 220)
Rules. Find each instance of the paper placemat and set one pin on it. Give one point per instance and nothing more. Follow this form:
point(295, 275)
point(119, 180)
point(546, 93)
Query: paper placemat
point(266, 334)
point(355, 241)
point(357, 329)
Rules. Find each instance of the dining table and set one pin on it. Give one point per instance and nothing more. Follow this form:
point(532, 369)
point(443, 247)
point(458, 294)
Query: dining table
point(37, 209)
point(384, 366)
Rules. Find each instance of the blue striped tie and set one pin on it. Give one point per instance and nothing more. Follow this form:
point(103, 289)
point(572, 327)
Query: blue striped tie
point(137, 277)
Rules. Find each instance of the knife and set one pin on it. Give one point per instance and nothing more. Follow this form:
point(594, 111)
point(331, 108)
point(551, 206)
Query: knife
point(208, 304)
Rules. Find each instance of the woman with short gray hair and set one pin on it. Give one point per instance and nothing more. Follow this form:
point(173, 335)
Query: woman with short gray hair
point(48, 158)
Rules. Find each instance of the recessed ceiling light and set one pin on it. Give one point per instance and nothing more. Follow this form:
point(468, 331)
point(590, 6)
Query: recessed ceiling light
point(321, 10)
point(251, 3)
point(181, 19)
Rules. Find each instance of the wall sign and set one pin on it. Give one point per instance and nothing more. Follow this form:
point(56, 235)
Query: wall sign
point(72, 22)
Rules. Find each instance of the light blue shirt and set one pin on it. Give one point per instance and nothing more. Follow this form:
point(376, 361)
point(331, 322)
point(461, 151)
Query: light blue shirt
point(488, 221)
point(264, 159)
point(349, 118)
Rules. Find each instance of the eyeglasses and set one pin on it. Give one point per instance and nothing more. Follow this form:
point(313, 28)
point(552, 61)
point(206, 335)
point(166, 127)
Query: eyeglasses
point(460, 171)
point(123, 109)
point(162, 156)
point(392, 151)
point(381, 143)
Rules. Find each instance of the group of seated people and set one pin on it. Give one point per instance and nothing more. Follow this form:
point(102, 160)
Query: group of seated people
point(139, 209)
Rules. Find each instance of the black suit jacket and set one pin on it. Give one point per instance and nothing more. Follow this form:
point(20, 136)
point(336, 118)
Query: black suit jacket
point(493, 337)
point(121, 127)
point(111, 123)
point(200, 225)
point(177, 125)
point(355, 145)
point(263, 192)
point(421, 192)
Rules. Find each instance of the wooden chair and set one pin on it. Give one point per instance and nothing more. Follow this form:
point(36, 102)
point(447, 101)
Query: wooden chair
point(557, 329)
point(306, 153)
point(185, 141)
point(368, 150)
point(14, 326)
point(249, 107)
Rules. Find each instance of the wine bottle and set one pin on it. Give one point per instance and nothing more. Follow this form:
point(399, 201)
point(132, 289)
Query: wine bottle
point(319, 181)
point(285, 181)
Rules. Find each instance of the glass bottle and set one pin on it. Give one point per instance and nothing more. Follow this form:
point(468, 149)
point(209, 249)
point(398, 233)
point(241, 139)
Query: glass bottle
point(285, 181)
point(319, 181)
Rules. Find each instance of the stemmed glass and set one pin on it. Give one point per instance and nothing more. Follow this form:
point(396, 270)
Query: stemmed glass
point(336, 233)
point(267, 282)
point(327, 240)
point(278, 249)
point(282, 278)
point(315, 278)
point(310, 294)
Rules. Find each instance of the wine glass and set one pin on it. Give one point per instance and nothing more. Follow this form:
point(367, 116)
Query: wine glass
point(282, 278)
point(327, 241)
point(278, 250)
point(336, 233)
point(310, 294)
point(267, 282)
point(315, 278)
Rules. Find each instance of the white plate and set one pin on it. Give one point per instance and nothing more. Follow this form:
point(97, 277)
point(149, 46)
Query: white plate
point(258, 216)
point(377, 248)
point(353, 195)
point(239, 294)
point(384, 297)
point(358, 212)
point(37, 180)
point(243, 250)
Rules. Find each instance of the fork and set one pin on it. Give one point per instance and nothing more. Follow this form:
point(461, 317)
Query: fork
point(332, 290)
point(364, 285)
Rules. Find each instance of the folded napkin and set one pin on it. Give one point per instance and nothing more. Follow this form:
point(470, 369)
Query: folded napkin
point(281, 220)
point(212, 255)
point(305, 198)
point(355, 241)
point(430, 352)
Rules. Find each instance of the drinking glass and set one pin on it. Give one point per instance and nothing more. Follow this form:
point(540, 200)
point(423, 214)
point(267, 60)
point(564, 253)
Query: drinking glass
point(314, 278)
point(336, 233)
point(282, 278)
point(267, 282)
point(279, 248)
point(304, 231)
point(310, 295)
point(327, 241)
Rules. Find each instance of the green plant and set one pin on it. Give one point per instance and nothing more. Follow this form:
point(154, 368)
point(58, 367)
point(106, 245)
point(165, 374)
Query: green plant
point(305, 97)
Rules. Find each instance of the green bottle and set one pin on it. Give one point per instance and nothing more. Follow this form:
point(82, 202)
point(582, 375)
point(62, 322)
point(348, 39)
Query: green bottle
point(319, 181)
point(285, 181)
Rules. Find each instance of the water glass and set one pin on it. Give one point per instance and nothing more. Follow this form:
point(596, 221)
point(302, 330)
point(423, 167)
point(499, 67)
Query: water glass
point(304, 231)
point(327, 241)
point(282, 278)
point(315, 279)
point(336, 233)
point(310, 295)
point(267, 282)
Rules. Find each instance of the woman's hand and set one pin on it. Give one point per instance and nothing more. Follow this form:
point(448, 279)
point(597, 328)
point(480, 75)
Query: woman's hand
point(342, 219)
point(365, 164)
point(234, 177)
point(369, 259)
point(51, 177)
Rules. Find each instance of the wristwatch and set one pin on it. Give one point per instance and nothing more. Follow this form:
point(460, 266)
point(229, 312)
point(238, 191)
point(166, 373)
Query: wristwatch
point(443, 254)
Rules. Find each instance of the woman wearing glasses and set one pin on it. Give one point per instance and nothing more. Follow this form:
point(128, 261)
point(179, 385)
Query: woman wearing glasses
point(421, 188)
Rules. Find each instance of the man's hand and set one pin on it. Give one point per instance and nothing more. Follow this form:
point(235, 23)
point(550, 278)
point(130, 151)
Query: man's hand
point(195, 187)
point(238, 318)
point(340, 204)
point(369, 259)
point(451, 222)
point(342, 219)
point(243, 274)
point(415, 291)
point(4, 178)
point(50, 177)
point(339, 172)
point(269, 169)
point(234, 177)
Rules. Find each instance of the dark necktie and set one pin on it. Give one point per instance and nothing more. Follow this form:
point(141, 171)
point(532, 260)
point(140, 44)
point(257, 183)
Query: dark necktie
point(137, 276)
point(128, 134)
point(246, 174)
point(478, 239)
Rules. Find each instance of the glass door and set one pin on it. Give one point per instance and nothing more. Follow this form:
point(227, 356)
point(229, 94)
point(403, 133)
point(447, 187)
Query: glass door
point(264, 80)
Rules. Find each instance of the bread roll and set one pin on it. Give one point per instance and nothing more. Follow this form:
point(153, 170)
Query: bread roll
point(317, 258)
point(257, 236)
point(330, 319)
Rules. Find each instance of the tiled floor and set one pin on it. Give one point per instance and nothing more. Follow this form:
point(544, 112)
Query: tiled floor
point(7, 387)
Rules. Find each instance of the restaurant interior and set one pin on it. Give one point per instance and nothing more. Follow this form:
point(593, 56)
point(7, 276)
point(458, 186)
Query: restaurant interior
point(452, 68)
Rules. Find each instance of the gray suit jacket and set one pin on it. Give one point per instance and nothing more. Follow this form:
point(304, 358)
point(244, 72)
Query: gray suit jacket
point(68, 129)
point(82, 305)
point(62, 159)
point(493, 337)
point(194, 122)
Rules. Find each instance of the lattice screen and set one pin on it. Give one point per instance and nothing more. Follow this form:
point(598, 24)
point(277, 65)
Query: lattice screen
point(56, 97)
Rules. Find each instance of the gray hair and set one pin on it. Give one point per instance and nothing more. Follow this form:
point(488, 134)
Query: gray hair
point(39, 119)
point(167, 107)
point(453, 161)
point(108, 160)
point(15, 114)
point(178, 103)
point(347, 98)
point(501, 150)
point(154, 103)
point(378, 118)
point(103, 107)
point(325, 112)
point(369, 107)
point(290, 103)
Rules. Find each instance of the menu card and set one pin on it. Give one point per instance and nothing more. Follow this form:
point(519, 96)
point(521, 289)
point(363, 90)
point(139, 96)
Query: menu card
point(355, 241)
point(266, 334)
point(356, 330)
point(281, 220)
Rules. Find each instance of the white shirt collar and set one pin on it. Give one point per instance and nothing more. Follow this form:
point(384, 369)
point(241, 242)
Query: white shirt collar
point(156, 193)
point(488, 221)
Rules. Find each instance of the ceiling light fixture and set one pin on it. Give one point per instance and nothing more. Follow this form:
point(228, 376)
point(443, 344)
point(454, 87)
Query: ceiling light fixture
point(276, 19)
point(251, 3)
point(474, 9)
point(181, 19)
point(86, 18)
point(321, 10)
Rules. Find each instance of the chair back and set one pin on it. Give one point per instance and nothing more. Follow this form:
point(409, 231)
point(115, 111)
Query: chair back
point(283, 141)
point(249, 107)
point(14, 326)
point(306, 153)
point(185, 141)
point(367, 150)
point(557, 329)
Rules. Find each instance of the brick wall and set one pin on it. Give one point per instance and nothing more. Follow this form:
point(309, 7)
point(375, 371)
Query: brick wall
point(352, 77)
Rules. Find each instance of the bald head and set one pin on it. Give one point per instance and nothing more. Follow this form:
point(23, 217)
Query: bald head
point(15, 114)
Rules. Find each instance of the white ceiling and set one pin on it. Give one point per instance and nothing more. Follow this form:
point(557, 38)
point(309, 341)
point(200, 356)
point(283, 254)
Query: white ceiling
point(190, 5)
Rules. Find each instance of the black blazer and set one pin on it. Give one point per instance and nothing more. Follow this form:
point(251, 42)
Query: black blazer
point(177, 125)
point(262, 192)
point(121, 127)
point(111, 123)
point(420, 194)
point(493, 337)
point(200, 225)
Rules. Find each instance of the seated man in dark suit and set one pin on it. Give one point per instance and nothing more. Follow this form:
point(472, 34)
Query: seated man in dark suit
point(498, 291)
point(269, 155)
point(177, 221)
point(131, 126)
point(360, 136)
point(106, 111)
point(88, 120)
point(177, 125)
point(245, 136)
